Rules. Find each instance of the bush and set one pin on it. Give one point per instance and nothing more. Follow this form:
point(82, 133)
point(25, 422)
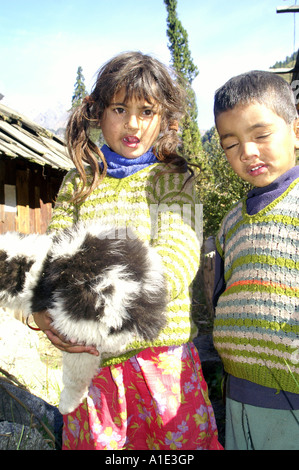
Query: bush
point(218, 186)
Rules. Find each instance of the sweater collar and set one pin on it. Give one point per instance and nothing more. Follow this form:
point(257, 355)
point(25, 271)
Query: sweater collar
point(259, 198)
point(121, 167)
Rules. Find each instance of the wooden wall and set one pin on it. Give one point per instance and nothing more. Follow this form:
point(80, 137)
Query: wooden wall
point(27, 195)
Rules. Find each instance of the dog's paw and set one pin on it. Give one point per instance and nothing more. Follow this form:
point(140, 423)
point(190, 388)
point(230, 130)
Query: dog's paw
point(69, 401)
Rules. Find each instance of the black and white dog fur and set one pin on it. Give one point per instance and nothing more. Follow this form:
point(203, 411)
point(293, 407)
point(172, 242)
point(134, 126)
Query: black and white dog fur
point(99, 290)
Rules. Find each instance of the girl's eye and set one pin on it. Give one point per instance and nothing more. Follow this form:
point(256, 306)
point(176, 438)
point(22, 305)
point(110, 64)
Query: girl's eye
point(148, 112)
point(119, 110)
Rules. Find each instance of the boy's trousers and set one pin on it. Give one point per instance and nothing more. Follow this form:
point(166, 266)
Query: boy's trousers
point(254, 428)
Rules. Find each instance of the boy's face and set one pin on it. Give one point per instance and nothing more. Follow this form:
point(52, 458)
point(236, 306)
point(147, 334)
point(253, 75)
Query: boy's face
point(258, 144)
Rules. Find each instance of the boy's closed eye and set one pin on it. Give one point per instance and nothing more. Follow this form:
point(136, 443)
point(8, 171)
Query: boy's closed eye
point(228, 145)
point(263, 136)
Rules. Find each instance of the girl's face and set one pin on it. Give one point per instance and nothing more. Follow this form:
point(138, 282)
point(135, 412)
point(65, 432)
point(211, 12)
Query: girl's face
point(130, 129)
point(258, 144)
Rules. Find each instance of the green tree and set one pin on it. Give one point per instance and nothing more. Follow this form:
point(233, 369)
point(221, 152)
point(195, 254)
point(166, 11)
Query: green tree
point(80, 90)
point(183, 64)
point(79, 94)
point(219, 186)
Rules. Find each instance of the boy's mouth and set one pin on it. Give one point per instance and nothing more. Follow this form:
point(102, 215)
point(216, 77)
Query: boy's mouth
point(256, 170)
point(131, 141)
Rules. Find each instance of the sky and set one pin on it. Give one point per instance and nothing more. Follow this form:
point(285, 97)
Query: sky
point(42, 44)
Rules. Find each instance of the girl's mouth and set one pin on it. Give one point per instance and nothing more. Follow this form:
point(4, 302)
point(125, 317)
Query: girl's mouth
point(131, 141)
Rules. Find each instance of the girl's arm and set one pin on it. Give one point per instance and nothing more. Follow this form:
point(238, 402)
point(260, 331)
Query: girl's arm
point(65, 212)
point(178, 232)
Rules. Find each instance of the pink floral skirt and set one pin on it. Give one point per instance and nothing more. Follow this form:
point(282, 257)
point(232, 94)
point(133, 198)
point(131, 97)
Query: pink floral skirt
point(156, 400)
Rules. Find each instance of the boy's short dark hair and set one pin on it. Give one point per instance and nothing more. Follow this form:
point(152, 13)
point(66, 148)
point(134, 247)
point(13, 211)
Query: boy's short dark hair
point(266, 88)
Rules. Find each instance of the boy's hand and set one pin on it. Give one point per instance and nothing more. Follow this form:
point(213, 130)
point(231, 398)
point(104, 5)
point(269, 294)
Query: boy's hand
point(44, 322)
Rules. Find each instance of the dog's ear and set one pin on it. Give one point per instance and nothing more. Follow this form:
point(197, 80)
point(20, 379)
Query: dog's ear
point(13, 273)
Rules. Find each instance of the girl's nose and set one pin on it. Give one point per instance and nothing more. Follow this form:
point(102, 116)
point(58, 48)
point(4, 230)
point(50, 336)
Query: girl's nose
point(249, 150)
point(132, 122)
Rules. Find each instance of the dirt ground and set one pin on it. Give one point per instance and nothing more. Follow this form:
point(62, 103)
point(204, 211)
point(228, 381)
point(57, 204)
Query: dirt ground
point(49, 354)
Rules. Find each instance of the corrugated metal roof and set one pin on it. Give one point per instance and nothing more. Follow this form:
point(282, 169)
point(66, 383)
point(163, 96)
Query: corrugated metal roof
point(21, 137)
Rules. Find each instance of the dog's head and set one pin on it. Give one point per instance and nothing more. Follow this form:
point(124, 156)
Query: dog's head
point(21, 257)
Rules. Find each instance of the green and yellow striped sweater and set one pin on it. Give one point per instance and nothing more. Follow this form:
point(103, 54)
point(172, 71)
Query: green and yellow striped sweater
point(256, 329)
point(160, 209)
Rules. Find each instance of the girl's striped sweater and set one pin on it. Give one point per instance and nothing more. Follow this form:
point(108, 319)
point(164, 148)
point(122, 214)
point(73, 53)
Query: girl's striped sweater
point(256, 328)
point(161, 211)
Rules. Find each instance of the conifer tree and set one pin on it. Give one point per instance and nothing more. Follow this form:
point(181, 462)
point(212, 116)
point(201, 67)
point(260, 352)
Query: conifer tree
point(183, 64)
point(80, 90)
point(79, 94)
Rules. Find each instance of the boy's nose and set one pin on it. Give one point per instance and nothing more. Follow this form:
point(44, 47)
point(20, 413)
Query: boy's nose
point(249, 150)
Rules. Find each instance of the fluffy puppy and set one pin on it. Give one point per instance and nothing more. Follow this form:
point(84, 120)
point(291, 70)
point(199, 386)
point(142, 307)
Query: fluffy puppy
point(101, 287)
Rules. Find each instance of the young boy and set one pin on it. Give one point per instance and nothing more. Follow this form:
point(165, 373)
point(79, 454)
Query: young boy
point(256, 328)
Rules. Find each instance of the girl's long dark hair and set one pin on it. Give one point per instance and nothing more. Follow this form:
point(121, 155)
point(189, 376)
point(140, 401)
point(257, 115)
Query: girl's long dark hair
point(142, 77)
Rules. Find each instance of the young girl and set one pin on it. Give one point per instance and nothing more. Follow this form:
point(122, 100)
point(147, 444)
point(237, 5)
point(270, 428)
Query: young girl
point(154, 395)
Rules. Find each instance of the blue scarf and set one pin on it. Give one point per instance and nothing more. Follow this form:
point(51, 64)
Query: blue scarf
point(121, 167)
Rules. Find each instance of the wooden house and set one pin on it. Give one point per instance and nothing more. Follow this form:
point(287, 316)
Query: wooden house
point(33, 162)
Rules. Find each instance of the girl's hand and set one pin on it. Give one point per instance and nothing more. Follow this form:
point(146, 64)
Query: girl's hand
point(44, 322)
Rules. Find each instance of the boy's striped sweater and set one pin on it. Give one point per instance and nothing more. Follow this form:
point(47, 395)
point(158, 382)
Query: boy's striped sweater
point(256, 329)
point(161, 212)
